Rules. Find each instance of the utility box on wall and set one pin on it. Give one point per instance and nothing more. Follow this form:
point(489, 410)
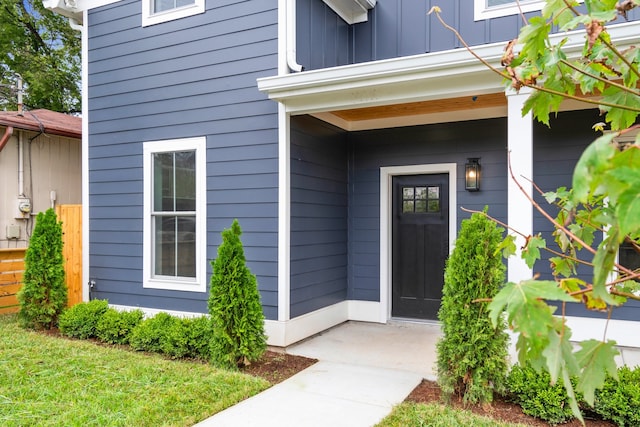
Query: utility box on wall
point(13, 232)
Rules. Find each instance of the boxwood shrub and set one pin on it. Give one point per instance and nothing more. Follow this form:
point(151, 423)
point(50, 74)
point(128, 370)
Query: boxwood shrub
point(80, 321)
point(536, 396)
point(115, 327)
point(619, 401)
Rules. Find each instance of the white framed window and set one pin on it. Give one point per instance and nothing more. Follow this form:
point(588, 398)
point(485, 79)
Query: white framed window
point(174, 228)
point(157, 11)
point(485, 9)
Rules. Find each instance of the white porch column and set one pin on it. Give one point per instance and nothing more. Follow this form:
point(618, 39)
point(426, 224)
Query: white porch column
point(284, 213)
point(520, 148)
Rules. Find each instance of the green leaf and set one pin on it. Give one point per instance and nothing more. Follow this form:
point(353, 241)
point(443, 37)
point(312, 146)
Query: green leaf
point(559, 355)
point(628, 211)
point(621, 117)
point(507, 246)
point(513, 297)
point(588, 170)
point(597, 360)
point(531, 251)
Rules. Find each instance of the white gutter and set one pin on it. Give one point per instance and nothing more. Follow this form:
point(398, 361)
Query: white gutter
point(292, 61)
point(421, 77)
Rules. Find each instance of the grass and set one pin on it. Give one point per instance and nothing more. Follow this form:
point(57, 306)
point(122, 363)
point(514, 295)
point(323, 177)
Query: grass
point(49, 381)
point(435, 415)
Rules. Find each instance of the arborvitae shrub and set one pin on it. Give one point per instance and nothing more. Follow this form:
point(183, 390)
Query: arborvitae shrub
point(43, 295)
point(151, 334)
point(234, 305)
point(472, 354)
point(115, 327)
point(80, 321)
point(536, 395)
point(619, 401)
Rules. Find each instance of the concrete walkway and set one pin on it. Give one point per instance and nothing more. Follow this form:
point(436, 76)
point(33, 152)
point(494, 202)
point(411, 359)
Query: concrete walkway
point(364, 370)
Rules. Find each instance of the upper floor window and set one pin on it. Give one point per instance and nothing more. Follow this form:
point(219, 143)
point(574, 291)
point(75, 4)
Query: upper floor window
point(175, 214)
point(485, 9)
point(157, 11)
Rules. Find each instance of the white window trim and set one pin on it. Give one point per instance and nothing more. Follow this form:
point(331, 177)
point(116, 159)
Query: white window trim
point(199, 284)
point(481, 11)
point(149, 18)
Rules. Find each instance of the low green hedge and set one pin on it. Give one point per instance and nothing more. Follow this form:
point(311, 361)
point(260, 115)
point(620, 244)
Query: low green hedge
point(115, 327)
point(80, 321)
point(617, 401)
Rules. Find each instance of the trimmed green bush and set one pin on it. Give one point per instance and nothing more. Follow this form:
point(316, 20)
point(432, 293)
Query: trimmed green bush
point(472, 354)
point(234, 304)
point(536, 396)
point(80, 321)
point(619, 401)
point(187, 337)
point(151, 334)
point(43, 295)
point(115, 327)
point(176, 337)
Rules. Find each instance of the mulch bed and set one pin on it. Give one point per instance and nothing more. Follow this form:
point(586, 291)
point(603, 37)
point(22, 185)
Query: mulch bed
point(276, 367)
point(500, 409)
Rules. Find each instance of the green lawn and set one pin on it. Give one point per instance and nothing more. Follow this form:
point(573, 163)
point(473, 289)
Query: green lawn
point(434, 415)
point(48, 381)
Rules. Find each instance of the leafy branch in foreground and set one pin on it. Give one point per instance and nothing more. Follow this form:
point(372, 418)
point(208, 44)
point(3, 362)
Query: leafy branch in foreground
point(604, 198)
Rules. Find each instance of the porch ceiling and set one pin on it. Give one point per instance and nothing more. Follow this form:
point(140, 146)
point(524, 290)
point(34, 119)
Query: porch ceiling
point(423, 112)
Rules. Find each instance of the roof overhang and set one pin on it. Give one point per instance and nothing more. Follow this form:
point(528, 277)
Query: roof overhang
point(430, 77)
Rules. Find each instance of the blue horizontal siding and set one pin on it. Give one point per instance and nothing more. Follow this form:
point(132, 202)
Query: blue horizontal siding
point(556, 151)
point(318, 215)
point(395, 29)
point(194, 76)
point(429, 144)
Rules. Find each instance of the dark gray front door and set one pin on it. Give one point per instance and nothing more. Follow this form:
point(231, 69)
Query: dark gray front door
point(420, 239)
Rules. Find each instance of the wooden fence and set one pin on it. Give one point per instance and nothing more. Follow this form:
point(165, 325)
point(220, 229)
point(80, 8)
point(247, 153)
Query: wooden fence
point(11, 269)
point(12, 261)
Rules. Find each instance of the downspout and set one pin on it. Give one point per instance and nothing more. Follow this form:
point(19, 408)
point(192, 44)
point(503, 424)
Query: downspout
point(292, 61)
point(73, 23)
point(21, 164)
point(5, 138)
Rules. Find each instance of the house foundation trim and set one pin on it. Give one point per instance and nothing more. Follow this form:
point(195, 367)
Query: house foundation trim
point(284, 333)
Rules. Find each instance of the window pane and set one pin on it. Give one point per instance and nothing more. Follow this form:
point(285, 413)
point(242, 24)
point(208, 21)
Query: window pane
point(434, 205)
point(163, 193)
point(498, 2)
point(187, 246)
point(407, 193)
point(434, 192)
point(185, 180)
point(421, 206)
point(165, 255)
point(421, 192)
point(162, 5)
point(407, 206)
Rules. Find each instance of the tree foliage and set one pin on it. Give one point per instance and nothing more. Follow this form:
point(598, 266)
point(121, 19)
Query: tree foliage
point(40, 46)
point(234, 305)
point(604, 198)
point(472, 353)
point(43, 295)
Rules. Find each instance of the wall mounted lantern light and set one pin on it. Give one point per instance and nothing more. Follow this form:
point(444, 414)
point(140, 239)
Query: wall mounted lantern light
point(472, 175)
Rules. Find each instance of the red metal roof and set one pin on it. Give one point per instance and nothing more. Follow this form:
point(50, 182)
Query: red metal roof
point(47, 121)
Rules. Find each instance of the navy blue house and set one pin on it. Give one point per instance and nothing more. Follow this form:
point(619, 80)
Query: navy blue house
point(336, 132)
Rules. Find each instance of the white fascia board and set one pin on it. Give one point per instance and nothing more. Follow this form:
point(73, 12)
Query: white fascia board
point(352, 11)
point(430, 76)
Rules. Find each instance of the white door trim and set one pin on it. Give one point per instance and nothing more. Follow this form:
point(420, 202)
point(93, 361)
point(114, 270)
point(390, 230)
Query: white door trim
point(386, 175)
